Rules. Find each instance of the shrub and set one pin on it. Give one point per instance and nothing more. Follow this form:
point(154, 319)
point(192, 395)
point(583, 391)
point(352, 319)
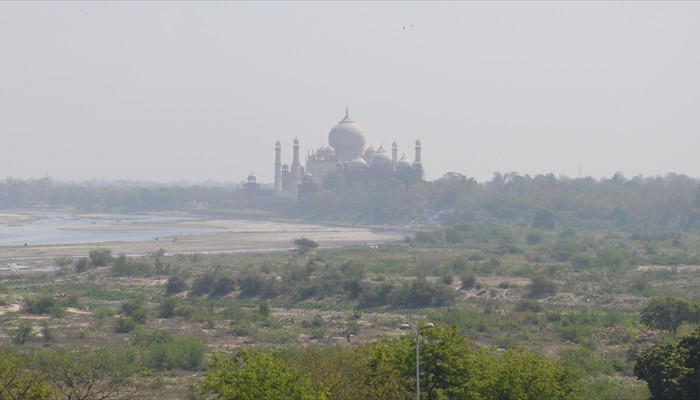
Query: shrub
point(421, 293)
point(103, 312)
point(100, 257)
point(44, 304)
point(168, 307)
point(468, 281)
point(124, 325)
point(24, 332)
point(541, 286)
point(176, 284)
point(223, 285)
point(534, 237)
point(203, 284)
point(135, 309)
point(124, 267)
point(47, 333)
point(82, 265)
point(166, 352)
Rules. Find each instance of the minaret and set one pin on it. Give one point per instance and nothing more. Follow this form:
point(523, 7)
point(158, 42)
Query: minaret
point(417, 165)
point(278, 167)
point(394, 154)
point(296, 167)
point(418, 147)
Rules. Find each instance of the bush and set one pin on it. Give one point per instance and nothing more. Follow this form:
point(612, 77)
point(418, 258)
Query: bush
point(100, 257)
point(166, 352)
point(25, 331)
point(124, 325)
point(176, 284)
point(82, 265)
point(540, 286)
point(168, 307)
point(534, 237)
point(223, 286)
point(421, 293)
point(123, 267)
point(44, 304)
point(468, 281)
point(203, 284)
point(103, 312)
point(135, 309)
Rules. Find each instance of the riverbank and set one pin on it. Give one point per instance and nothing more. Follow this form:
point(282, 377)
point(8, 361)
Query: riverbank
point(231, 236)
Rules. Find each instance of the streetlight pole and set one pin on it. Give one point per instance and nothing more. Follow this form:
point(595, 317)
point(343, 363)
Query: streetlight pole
point(417, 330)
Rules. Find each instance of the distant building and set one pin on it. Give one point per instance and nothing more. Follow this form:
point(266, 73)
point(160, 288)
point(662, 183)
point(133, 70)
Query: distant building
point(346, 153)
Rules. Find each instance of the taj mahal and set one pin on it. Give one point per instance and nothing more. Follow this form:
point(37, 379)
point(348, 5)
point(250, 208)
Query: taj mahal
point(346, 154)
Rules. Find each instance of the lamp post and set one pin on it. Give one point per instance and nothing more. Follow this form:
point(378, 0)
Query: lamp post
point(417, 330)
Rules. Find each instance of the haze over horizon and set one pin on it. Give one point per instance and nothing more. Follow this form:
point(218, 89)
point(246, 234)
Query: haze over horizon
point(184, 91)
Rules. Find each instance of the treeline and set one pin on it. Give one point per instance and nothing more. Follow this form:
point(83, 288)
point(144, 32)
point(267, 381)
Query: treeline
point(16, 193)
point(671, 201)
point(617, 202)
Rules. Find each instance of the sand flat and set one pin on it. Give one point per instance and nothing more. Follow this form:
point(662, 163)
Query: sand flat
point(235, 235)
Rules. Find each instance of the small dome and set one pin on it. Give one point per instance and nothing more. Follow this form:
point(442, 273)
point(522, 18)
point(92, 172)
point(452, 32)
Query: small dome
point(347, 138)
point(381, 158)
point(403, 163)
point(252, 178)
point(359, 164)
point(325, 152)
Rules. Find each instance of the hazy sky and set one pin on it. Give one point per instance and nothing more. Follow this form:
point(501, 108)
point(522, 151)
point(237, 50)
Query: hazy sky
point(201, 91)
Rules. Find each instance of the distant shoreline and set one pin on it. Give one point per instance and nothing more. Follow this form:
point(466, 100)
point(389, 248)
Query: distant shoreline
point(229, 236)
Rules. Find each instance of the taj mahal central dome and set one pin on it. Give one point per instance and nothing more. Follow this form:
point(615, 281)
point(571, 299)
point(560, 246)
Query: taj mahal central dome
point(347, 138)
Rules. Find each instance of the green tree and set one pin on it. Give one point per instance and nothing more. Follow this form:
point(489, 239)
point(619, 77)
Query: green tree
point(253, 375)
point(447, 363)
point(522, 374)
point(669, 313)
point(543, 219)
point(304, 244)
point(88, 374)
point(672, 371)
point(18, 381)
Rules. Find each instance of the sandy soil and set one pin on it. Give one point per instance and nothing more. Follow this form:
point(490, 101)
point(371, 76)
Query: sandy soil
point(235, 236)
point(8, 219)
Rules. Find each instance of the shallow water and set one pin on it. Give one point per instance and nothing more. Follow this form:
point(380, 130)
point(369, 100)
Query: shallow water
point(64, 228)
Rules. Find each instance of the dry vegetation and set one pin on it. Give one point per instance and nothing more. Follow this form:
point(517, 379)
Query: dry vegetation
point(583, 311)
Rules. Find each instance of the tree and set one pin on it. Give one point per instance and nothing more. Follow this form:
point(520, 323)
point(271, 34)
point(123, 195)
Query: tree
point(89, 374)
point(543, 219)
point(452, 367)
point(669, 313)
point(672, 370)
point(252, 375)
point(334, 181)
point(304, 244)
point(18, 381)
point(447, 362)
point(522, 374)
